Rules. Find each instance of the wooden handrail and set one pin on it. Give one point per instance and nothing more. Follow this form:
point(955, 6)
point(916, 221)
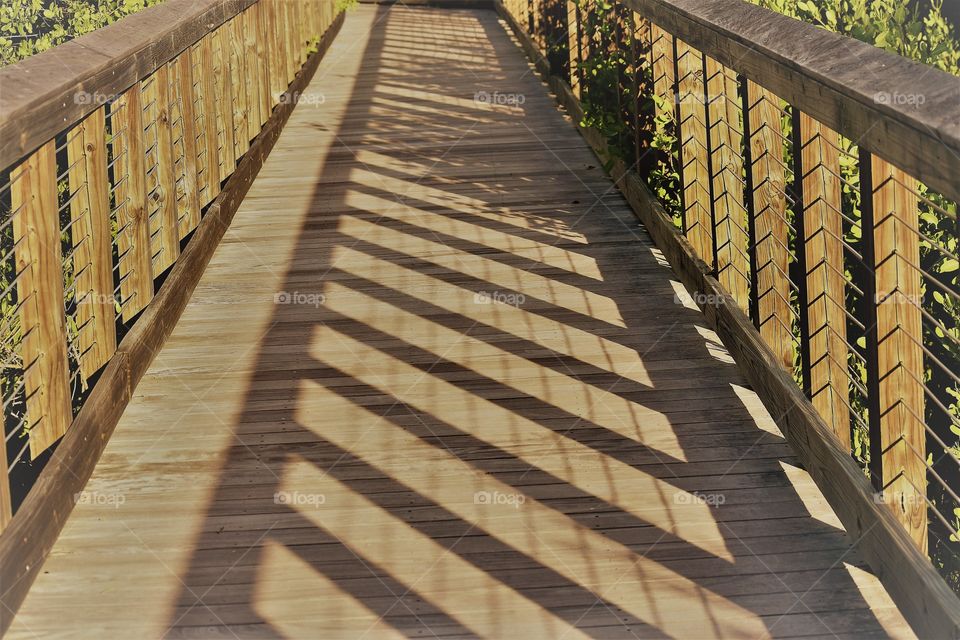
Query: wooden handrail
point(818, 295)
point(125, 154)
point(53, 90)
point(848, 85)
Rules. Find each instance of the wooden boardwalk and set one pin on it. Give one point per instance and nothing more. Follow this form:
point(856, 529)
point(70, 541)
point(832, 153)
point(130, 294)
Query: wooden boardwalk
point(438, 382)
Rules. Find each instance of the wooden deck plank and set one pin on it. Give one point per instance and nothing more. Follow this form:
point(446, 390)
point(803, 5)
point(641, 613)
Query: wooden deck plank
point(437, 381)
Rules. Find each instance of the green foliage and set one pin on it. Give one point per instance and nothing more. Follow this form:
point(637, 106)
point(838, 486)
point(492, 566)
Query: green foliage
point(346, 5)
point(31, 26)
point(892, 25)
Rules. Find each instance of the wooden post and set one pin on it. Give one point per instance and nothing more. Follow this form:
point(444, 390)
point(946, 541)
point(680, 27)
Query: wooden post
point(825, 282)
point(573, 45)
point(730, 215)
point(263, 61)
point(187, 195)
point(692, 130)
point(6, 504)
point(164, 234)
point(899, 354)
point(96, 315)
point(252, 78)
point(661, 64)
point(224, 103)
point(771, 226)
point(36, 233)
point(133, 238)
point(206, 86)
point(238, 80)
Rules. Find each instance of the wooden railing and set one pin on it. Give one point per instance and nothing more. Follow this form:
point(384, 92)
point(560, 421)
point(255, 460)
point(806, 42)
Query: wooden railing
point(807, 182)
point(124, 154)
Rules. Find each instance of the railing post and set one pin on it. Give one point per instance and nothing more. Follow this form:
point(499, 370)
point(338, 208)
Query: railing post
point(899, 354)
point(573, 45)
point(692, 131)
point(36, 234)
point(224, 103)
point(165, 237)
point(825, 302)
point(206, 86)
point(133, 236)
point(771, 235)
point(727, 193)
point(189, 196)
point(92, 246)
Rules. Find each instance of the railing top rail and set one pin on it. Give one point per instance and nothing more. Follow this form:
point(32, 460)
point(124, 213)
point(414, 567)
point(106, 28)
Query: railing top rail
point(40, 96)
point(901, 110)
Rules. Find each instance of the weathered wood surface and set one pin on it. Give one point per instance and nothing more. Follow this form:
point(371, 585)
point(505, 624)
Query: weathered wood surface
point(65, 83)
point(915, 585)
point(350, 451)
point(907, 112)
point(26, 542)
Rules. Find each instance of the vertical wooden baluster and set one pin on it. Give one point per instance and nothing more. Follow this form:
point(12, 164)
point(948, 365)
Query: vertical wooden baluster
point(6, 504)
point(164, 232)
point(263, 61)
point(277, 53)
point(899, 292)
point(252, 79)
point(573, 46)
point(188, 196)
point(825, 283)
point(199, 127)
point(93, 250)
point(661, 64)
point(692, 130)
point(238, 75)
point(36, 233)
point(730, 221)
point(290, 46)
point(133, 237)
point(224, 103)
point(771, 226)
point(207, 86)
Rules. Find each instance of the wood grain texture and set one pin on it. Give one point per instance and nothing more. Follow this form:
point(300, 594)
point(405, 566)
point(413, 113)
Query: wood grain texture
point(900, 357)
point(826, 284)
point(771, 227)
point(920, 593)
point(133, 234)
point(92, 245)
point(694, 172)
point(207, 86)
point(161, 176)
point(859, 90)
point(726, 167)
point(224, 101)
point(32, 534)
point(43, 326)
point(410, 401)
point(40, 96)
point(184, 101)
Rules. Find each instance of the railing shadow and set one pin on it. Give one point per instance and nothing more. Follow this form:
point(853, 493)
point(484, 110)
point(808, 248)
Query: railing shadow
point(499, 421)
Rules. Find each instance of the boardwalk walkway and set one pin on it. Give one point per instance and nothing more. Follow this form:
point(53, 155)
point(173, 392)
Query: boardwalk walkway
point(437, 382)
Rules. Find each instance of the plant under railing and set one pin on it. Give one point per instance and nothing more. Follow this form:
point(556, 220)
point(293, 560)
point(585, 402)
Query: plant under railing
point(845, 263)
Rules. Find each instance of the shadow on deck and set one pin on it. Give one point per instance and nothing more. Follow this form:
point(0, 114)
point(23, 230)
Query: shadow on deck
point(478, 410)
